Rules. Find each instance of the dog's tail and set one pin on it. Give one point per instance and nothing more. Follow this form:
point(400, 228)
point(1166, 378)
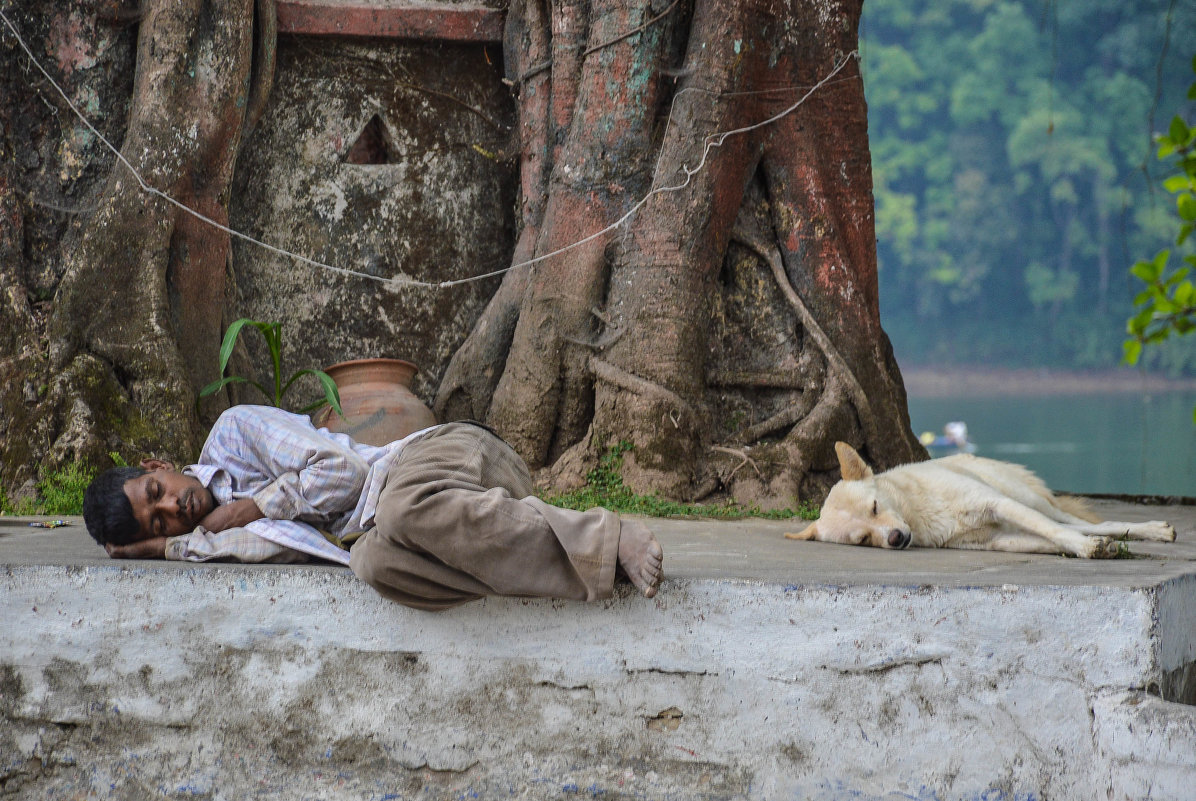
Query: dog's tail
point(1075, 506)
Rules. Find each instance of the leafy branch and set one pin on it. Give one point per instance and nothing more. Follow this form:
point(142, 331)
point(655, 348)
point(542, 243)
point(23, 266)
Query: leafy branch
point(1168, 303)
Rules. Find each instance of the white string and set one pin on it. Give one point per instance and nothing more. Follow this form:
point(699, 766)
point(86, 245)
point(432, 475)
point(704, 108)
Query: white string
point(712, 141)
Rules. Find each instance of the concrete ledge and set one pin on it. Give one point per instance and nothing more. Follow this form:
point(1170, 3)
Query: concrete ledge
point(765, 669)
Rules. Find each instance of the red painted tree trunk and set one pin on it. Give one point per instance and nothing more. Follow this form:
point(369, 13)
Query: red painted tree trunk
point(731, 323)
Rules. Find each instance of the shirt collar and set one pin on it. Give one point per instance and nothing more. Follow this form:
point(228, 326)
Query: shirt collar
point(204, 472)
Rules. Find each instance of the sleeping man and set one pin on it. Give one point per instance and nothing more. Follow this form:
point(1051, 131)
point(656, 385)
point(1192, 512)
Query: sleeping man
point(441, 517)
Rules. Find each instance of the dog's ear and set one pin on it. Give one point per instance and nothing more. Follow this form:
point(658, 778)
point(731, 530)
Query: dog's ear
point(851, 466)
point(810, 532)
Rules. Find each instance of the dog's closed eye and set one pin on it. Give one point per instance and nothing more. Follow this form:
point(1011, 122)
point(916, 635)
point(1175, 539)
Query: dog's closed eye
point(875, 508)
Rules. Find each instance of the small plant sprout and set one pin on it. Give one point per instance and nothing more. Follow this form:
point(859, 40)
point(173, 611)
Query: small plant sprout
point(272, 332)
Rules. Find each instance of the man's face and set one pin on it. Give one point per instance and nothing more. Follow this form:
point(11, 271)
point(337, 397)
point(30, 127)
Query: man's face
point(165, 502)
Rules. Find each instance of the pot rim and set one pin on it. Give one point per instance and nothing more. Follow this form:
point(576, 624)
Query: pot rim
point(376, 360)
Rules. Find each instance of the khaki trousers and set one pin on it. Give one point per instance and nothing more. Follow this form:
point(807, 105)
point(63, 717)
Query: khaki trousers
point(457, 520)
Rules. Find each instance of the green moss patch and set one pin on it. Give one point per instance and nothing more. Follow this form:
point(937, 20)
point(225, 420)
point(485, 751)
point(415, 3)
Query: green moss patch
point(604, 487)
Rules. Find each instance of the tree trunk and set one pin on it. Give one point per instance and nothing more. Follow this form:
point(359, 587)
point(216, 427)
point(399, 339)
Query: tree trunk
point(732, 322)
point(138, 314)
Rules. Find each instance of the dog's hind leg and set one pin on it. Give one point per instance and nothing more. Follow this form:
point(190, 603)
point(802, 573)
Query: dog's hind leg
point(1073, 507)
point(1063, 515)
point(1069, 540)
point(1156, 530)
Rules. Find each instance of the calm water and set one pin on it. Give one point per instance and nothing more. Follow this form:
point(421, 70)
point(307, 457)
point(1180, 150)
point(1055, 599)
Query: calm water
point(1098, 443)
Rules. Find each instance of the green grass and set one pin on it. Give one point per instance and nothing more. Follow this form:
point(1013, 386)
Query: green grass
point(62, 491)
point(59, 493)
point(604, 487)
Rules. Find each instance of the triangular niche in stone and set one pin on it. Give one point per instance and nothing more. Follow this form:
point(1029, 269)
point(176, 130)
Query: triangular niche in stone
point(372, 145)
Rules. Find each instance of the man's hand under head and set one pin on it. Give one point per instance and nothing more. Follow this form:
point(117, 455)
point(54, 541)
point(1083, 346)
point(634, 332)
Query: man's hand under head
point(231, 515)
point(153, 548)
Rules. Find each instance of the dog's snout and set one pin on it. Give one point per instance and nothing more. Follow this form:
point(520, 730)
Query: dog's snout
point(898, 538)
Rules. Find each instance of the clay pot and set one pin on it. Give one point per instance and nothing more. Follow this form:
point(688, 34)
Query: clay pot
point(377, 400)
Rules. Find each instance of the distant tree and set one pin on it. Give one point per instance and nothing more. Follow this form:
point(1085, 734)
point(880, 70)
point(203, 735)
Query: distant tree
point(1012, 165)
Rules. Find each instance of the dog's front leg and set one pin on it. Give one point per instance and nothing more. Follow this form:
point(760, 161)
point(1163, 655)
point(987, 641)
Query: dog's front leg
point(1020, 542)
point(1016, 515)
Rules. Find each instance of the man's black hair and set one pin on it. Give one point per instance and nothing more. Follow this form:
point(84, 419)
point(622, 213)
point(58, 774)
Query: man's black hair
point(106, 509)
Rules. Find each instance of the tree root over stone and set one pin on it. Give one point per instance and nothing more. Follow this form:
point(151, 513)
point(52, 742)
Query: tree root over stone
point(749, 294)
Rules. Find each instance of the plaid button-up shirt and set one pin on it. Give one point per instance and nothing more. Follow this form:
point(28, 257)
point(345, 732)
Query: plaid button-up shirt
point(305, 481)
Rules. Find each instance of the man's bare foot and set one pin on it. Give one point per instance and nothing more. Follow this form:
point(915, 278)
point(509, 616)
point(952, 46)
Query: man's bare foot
point(641, 557)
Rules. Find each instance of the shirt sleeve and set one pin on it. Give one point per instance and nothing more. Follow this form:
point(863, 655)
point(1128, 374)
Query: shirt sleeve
point(301, 474)
point(230, 545)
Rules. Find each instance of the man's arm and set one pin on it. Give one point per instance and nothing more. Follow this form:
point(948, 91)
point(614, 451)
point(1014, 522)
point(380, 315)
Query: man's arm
point(237, 544)
point(298, 473)
point(232, 515)
point(222, 536)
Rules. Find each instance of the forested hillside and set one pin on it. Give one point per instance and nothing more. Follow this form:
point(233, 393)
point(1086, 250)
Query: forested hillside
point(1015, 176)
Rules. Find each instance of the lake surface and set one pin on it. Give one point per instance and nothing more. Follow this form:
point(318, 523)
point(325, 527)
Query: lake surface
point(1095, 443)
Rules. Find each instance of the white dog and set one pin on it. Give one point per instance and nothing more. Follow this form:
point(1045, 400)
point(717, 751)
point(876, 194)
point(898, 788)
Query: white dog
point(964, 501)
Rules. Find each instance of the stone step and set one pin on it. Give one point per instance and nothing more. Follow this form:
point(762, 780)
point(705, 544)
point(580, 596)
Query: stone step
point(765, 669)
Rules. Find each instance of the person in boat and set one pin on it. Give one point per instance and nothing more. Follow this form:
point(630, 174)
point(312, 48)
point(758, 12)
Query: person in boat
point(953, 438)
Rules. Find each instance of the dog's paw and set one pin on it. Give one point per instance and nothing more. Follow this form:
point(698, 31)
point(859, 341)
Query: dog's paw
point(1101, 548)
point(1163, 531)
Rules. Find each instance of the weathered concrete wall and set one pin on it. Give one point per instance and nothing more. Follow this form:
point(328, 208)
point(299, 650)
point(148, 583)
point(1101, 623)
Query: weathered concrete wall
point(1146, 744)
point(146, 681)
point(437, 203)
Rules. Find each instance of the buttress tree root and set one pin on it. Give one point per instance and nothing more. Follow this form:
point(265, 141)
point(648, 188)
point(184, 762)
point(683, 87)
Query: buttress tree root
point(128, 363)
point(730, 329)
